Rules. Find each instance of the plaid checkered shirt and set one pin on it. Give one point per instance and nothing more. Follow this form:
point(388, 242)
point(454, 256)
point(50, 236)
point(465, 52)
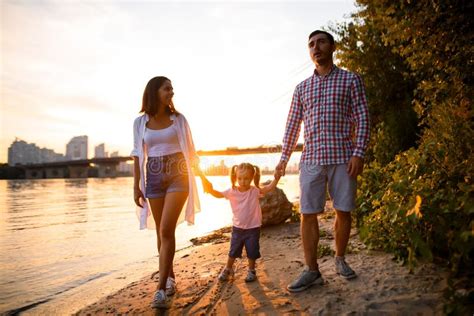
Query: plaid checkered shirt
point(334, 111)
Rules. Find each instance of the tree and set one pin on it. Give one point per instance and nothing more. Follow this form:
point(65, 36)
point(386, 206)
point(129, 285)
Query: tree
point(417, 56)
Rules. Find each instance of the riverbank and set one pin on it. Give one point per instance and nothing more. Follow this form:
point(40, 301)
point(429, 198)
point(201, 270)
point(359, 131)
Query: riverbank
point(383, 285)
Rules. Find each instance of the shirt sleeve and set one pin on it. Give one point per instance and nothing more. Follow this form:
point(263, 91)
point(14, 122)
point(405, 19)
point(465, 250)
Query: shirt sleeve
point(293, 126)
point(192, 149)
point(360, 114)
point(136, 138)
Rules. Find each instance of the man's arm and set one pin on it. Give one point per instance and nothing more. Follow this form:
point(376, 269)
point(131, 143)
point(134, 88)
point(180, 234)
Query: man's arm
point(292, 131)
point(360, 113)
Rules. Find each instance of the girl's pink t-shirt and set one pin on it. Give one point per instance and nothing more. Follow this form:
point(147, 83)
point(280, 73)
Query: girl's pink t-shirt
point(245, 207)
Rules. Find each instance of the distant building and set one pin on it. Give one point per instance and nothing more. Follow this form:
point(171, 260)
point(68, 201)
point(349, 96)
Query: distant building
point(99, 151)
point(219, 170)
point(20, 152)
point(114, 154)
point(76, 149)
point(48, 155)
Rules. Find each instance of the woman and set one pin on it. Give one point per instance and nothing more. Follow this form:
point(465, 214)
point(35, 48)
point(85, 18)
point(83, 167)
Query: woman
point(163, 144)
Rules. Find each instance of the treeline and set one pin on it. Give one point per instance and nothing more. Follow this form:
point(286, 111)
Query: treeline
point(416, 196)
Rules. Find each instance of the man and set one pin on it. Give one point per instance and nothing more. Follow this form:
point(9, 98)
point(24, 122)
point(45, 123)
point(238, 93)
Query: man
point(333, 107)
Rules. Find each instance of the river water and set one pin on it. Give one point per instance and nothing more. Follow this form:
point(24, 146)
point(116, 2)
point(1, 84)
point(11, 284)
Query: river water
point(59, 235)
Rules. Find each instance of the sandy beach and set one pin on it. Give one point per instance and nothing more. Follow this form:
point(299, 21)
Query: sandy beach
point(383, 286)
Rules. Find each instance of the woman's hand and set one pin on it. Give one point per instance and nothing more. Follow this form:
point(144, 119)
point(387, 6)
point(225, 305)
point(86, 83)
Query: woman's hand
point(137, 194)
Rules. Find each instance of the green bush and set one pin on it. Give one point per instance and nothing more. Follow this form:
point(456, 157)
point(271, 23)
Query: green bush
point(410, 208)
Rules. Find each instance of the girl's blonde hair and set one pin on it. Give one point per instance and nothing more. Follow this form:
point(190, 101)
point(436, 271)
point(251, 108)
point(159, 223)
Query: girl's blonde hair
point(245, 166)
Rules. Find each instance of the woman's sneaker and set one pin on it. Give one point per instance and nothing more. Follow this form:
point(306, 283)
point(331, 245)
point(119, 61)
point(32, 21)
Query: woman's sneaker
point(251, 276)
point(306, 279)
point(160, 300)
point(170, 286)
point(225, 274)
point(343, 269)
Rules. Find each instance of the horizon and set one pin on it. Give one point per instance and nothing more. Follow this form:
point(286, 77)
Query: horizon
point(71, 69)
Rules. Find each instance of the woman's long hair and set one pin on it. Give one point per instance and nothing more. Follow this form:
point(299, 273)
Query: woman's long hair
point(245, 166)
point(150, 102)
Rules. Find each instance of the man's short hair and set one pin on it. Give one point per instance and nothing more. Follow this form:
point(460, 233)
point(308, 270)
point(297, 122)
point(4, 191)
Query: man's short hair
point(329, 36)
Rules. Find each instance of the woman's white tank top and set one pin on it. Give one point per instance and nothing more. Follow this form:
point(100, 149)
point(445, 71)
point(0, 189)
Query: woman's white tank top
point(161, 142)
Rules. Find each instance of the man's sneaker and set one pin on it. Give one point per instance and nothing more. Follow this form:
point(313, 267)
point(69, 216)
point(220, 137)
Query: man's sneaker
point(225, 274)
point(170, 286)
point(343, 269)
point(251, 276)
point(160, 300)
point(306, 279)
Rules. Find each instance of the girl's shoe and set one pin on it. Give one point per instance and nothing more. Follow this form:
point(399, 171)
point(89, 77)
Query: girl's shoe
point(225, 274)
point(170, 286)
point(160, 300)
point(251, 276)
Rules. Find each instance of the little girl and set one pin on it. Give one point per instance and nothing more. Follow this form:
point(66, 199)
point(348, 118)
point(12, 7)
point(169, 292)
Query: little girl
point(247, 215)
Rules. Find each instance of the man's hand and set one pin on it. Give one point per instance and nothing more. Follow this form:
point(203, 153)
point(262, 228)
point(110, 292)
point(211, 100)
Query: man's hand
point(280, 169)
point(355, 166)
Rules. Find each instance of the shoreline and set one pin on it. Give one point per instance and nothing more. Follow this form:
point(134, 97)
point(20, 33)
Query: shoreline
point(382, 285)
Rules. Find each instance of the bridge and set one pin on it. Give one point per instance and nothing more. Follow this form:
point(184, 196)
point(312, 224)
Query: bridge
point(107, 167)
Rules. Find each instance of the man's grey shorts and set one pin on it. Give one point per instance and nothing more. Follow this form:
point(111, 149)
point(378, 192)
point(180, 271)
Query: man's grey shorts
point(313, 179)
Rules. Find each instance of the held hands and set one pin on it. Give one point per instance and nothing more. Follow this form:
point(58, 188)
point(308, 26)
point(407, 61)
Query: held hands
point(355, 166)
point(280, 170)
point(207, 186)
point(277, 176)
point(137, 194)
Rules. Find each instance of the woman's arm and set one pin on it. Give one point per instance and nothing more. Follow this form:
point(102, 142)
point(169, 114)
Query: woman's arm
point(137, 193)
point(190, 143)
point(270, 187)
point(194, 158)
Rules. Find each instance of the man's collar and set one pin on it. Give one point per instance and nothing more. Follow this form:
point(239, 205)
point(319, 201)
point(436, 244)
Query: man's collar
point(334, 69)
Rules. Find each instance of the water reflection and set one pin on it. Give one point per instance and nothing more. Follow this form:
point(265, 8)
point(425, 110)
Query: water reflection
point(76, 183)
point(19, 185)
point(56, 234)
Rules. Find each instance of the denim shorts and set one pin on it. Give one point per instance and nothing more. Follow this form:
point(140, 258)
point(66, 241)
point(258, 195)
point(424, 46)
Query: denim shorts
point(250, 238)
point(341, 187)
point(166, 174)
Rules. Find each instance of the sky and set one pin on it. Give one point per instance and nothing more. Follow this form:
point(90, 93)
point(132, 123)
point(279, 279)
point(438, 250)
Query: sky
point(71, 68)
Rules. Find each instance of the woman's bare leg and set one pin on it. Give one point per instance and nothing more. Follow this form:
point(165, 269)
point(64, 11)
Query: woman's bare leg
point(157, 210)
point(174, 202)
